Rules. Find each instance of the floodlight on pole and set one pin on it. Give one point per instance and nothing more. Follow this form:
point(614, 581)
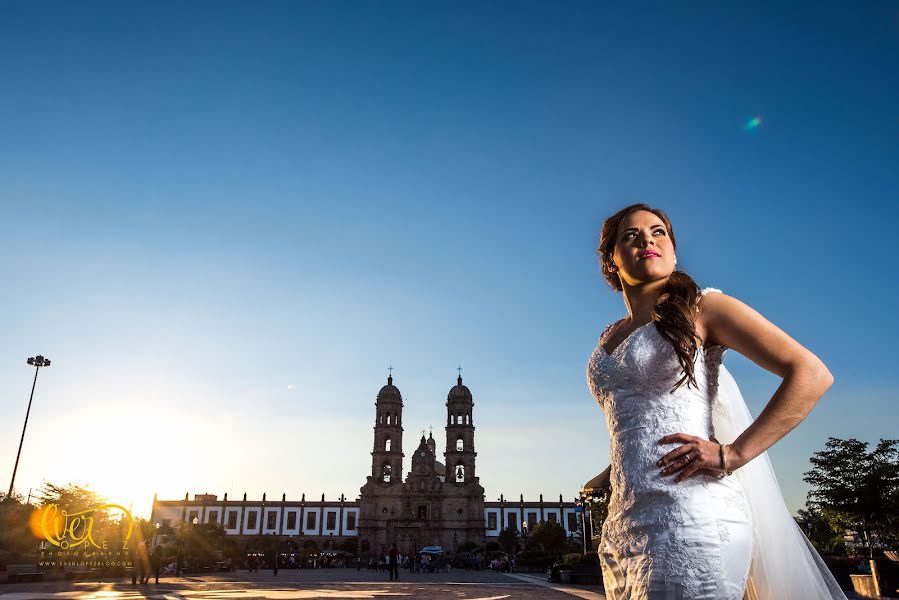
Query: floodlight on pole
point(37, 362)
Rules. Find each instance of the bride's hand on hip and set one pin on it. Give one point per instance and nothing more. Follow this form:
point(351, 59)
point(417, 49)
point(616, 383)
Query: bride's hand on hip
point(696, 455)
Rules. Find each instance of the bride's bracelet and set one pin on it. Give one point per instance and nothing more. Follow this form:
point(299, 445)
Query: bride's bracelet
point(724, 459)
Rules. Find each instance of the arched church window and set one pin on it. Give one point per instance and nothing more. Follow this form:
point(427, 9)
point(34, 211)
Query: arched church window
point(387, 445)
point(460, 473)
point(388, 418)
point(386, 473)
point(461, 419)
point(468, 419)
point(460, 445)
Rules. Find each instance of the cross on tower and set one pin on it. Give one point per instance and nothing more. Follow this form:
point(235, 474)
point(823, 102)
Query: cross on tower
point(459, 368)
point(390, 370)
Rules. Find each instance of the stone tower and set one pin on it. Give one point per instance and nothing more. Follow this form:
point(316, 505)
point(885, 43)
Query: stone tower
point(387, 454)
point(460, 454)
point(464, 497)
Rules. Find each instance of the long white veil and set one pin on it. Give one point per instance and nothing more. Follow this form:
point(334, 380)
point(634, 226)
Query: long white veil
point(785, 565)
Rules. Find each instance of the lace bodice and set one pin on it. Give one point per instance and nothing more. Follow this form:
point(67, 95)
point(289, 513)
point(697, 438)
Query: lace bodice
point(633, 387)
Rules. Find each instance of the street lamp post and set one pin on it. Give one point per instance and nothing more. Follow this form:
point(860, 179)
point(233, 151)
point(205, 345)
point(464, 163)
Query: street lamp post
point(581, 503)
point(37, 362)
point(524, 530)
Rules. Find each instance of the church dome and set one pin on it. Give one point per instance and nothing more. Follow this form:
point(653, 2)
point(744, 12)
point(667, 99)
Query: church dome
point(390, 391)
point(459, 392)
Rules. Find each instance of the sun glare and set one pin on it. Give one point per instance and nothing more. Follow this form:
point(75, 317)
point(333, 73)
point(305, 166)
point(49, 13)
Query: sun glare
point(135, 456)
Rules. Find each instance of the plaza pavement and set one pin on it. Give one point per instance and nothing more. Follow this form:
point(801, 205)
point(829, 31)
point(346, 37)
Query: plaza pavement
point(312, 584)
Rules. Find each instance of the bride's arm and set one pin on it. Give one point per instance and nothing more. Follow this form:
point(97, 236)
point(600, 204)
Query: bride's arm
point(731, 323)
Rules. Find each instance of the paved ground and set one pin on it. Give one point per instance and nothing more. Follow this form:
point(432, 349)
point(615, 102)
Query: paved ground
point(331, 584)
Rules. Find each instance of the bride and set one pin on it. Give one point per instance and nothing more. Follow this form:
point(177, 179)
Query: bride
point(690, 517)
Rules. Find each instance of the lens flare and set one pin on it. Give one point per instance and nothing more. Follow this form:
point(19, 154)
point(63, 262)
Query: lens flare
point(753, 124)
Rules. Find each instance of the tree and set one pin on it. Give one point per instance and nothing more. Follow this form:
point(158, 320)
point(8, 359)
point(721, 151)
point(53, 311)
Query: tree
point(108, 527)
point(72, 497)
point(820, 531)
point(200, 543)
point(17, 543)
point(549, 536)
point(597, 507)
point(508, 539)
point(857, 489)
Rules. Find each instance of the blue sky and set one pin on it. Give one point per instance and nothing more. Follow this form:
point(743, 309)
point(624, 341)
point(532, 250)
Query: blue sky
point(223, 222)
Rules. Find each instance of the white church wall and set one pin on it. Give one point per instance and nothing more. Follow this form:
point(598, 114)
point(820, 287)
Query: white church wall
point(235, 520)
point(295, 530)
point(330, 523)
point(556, 515)
point(271, 521)
point(313, 530)
point(167, 516)
point(571, 520)
point(492, 532)
point(252, 520)
point(346, 518)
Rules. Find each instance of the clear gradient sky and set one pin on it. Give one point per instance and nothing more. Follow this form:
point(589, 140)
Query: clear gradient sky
point(223, 221)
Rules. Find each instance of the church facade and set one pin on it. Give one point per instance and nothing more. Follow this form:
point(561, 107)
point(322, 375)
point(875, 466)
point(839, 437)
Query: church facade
point(437, 503)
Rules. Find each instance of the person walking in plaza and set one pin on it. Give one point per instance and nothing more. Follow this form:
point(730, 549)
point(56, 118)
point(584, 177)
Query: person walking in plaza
point(691, 530)
point(140, 564)
point(133, 556)
point(393, 562)
point(156, 562)
point(147, 560)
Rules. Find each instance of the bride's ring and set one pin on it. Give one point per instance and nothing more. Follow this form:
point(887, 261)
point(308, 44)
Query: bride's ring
point(688, 457)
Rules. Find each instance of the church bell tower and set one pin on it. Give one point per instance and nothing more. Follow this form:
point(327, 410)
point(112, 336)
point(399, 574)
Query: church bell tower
point(460, 454)
point(387, 454)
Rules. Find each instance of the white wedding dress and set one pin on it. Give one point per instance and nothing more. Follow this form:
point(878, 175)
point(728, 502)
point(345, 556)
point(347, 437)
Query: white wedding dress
point(707, 537)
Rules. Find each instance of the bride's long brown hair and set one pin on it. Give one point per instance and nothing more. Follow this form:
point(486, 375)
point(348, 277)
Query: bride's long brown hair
point(674, 310)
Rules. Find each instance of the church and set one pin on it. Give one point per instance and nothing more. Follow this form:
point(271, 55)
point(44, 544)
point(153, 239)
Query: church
point(438, 503)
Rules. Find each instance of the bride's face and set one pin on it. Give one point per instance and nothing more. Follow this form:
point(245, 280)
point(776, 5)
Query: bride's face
point(643, 249)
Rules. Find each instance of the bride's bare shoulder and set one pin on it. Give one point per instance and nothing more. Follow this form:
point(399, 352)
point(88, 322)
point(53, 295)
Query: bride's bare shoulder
point(709, 302)
point(728, 321)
